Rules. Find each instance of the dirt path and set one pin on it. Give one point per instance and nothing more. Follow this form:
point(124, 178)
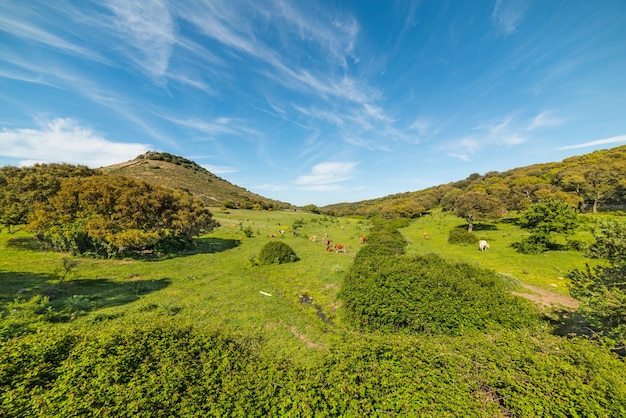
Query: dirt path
point(547, 299)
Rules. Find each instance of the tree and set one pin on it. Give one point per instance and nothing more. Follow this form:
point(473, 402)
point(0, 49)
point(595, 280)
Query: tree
point(312, 208)
point(602, 290)
point(592, 184)
point(112, 215)
point(542, 219)
point(21, 188)
point(477, 205)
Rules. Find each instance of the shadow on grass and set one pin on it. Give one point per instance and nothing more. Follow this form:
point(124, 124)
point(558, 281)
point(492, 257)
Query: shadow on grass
point(201, 246)
point(100, 293)
point(479, 227)
point(27, 243)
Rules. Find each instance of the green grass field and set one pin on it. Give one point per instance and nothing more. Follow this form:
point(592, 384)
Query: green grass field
point(218, 284)
point(161, 335)
point(547, 270)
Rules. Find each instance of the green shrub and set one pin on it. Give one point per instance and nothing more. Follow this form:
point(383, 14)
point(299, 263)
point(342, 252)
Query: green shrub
point(462, 236)
point(277, 252)
point(533, 244)
point(429, 295)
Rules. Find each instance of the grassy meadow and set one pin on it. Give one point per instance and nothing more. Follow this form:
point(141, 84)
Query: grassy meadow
point(218, 284)
point(209, 332)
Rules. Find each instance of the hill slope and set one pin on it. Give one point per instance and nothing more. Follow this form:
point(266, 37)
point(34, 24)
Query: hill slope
point(180, 173)
point(593, 181)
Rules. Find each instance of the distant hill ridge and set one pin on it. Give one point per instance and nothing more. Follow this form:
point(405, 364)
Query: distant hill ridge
point(593, 181)
point(170, 170)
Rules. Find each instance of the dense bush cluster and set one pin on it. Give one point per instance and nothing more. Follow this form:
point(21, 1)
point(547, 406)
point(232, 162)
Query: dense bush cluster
point(21, 188)
point(112, 215)
point(174, 159)
point(462, 236)
point(386, 291)
point(170, 369)
point(426, 294)
point(277, 252)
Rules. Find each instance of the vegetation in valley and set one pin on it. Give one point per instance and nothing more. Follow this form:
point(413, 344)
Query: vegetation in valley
point(416, 321)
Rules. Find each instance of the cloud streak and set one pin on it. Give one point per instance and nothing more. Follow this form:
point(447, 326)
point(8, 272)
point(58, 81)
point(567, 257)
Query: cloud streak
point(605, 141)
point(325, 176)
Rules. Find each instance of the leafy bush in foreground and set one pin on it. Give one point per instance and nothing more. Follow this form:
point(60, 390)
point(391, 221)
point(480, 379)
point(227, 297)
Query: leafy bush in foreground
point(429, 295)
point(277, 252)
point(172, 369)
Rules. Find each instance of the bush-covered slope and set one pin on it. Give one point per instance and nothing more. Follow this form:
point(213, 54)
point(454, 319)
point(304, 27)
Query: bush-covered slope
point(180, 173)
point(594, 181)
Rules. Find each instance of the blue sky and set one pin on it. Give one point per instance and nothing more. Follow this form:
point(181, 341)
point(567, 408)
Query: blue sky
point(313, 101)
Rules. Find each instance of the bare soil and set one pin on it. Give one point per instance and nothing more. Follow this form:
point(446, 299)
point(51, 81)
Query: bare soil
point(547, 299)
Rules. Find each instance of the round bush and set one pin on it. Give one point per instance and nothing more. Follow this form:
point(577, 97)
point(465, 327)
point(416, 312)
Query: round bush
point(462, 236)
point(277, 252)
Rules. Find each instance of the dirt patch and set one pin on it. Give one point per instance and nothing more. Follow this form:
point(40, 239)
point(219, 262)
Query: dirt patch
point(303, 338)
point(547, 299)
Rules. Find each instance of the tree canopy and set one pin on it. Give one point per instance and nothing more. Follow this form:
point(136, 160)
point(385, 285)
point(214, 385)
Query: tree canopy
point(21, 188)
point(475, 206)
point(602, 290)
point(548, 216)
point(112, 215)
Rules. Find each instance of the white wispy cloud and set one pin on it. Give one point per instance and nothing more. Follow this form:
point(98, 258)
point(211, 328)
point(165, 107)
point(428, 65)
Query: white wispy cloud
point(65, 140)
point(611, 140)
point(544, 119)
point(27, 30)
point(216, 169)
point(326, 175)
point(495, 133)
point(507, 15)
point(147, 27)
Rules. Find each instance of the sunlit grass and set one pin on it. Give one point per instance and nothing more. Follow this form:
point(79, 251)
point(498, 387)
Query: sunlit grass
point(547, 270)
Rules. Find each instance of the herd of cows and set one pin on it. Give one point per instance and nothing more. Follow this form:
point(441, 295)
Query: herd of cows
point(343, 248)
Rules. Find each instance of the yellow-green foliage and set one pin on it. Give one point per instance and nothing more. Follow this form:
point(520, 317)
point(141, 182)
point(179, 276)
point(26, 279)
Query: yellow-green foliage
point(111, 215)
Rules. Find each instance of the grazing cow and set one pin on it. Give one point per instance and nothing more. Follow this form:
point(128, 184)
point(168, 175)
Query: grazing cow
point(272, 235)
point(313, 238)
point(362, 239)
point(425, 235)
point(282, 232)
point(483, 245)
point(233, 225)
point(329, 249)
point(326, 241)
point(341, 248)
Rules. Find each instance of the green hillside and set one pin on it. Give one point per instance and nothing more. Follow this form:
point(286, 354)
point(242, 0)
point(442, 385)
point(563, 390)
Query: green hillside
point(594, 181)
point(180, 173)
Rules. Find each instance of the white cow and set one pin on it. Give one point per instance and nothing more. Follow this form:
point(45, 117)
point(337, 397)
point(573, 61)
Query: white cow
point(483, 245)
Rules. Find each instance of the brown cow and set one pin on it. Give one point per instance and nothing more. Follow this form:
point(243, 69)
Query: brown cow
point(425, 235)
point(313, 238)
point(362, 239)
point(329, 249)
point(341, 248)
